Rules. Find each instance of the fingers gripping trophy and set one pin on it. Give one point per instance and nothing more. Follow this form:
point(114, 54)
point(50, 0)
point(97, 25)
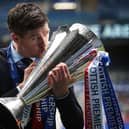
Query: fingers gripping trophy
point(75, 46)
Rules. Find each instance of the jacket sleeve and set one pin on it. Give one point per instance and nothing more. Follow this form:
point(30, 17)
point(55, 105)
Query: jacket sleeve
point(70, 111)
point(11, 93)
point(6, 85)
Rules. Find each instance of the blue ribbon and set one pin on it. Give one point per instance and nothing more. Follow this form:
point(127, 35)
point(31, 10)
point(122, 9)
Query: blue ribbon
point(111, 107)
point(48, 112)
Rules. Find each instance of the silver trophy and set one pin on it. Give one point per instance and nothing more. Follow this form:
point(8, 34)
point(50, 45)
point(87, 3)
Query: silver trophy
point(76, 46)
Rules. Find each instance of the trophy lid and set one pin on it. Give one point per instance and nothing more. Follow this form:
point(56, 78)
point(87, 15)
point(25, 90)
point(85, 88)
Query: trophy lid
point(7, 121)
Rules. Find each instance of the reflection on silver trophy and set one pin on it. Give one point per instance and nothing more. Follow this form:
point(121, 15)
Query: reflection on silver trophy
point(74, 45)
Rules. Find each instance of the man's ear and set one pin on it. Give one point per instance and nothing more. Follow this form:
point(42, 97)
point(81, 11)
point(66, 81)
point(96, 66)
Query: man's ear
point(14, 37)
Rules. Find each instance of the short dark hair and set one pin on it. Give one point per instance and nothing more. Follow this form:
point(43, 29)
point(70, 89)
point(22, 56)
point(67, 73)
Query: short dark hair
point(25, 17)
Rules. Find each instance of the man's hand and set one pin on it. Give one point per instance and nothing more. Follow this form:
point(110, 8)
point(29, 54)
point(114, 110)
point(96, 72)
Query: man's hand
point(27, 72)
point(59, 78)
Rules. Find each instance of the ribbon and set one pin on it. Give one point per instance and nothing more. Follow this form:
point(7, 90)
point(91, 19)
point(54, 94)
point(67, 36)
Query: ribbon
point(99, 94)
point(88, 116)
point(93, 100)
point(110, 102)
point(37, 122)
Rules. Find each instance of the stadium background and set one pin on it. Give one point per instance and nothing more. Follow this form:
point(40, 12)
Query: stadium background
point(109, 19)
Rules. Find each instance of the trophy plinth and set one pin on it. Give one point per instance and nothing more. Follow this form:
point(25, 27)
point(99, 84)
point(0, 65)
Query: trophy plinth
point(7, 121)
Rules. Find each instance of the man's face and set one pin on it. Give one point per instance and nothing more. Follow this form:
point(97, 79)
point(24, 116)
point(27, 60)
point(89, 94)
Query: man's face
point(34, 43)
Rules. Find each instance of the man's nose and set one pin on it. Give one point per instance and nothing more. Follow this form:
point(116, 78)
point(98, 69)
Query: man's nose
point(41, 39)
point(42, 42)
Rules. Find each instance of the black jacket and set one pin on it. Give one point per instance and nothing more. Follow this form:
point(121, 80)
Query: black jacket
point(6, 83)
point(70, 110)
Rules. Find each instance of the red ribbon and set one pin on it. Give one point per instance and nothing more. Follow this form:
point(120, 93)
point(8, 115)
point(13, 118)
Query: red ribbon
point(37, 122)
point(88, 115)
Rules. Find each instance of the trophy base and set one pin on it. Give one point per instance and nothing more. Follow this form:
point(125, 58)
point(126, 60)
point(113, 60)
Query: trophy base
point(7, 121)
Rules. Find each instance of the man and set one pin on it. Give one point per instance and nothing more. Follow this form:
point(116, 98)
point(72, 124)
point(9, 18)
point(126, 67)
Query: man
point(29, 30)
